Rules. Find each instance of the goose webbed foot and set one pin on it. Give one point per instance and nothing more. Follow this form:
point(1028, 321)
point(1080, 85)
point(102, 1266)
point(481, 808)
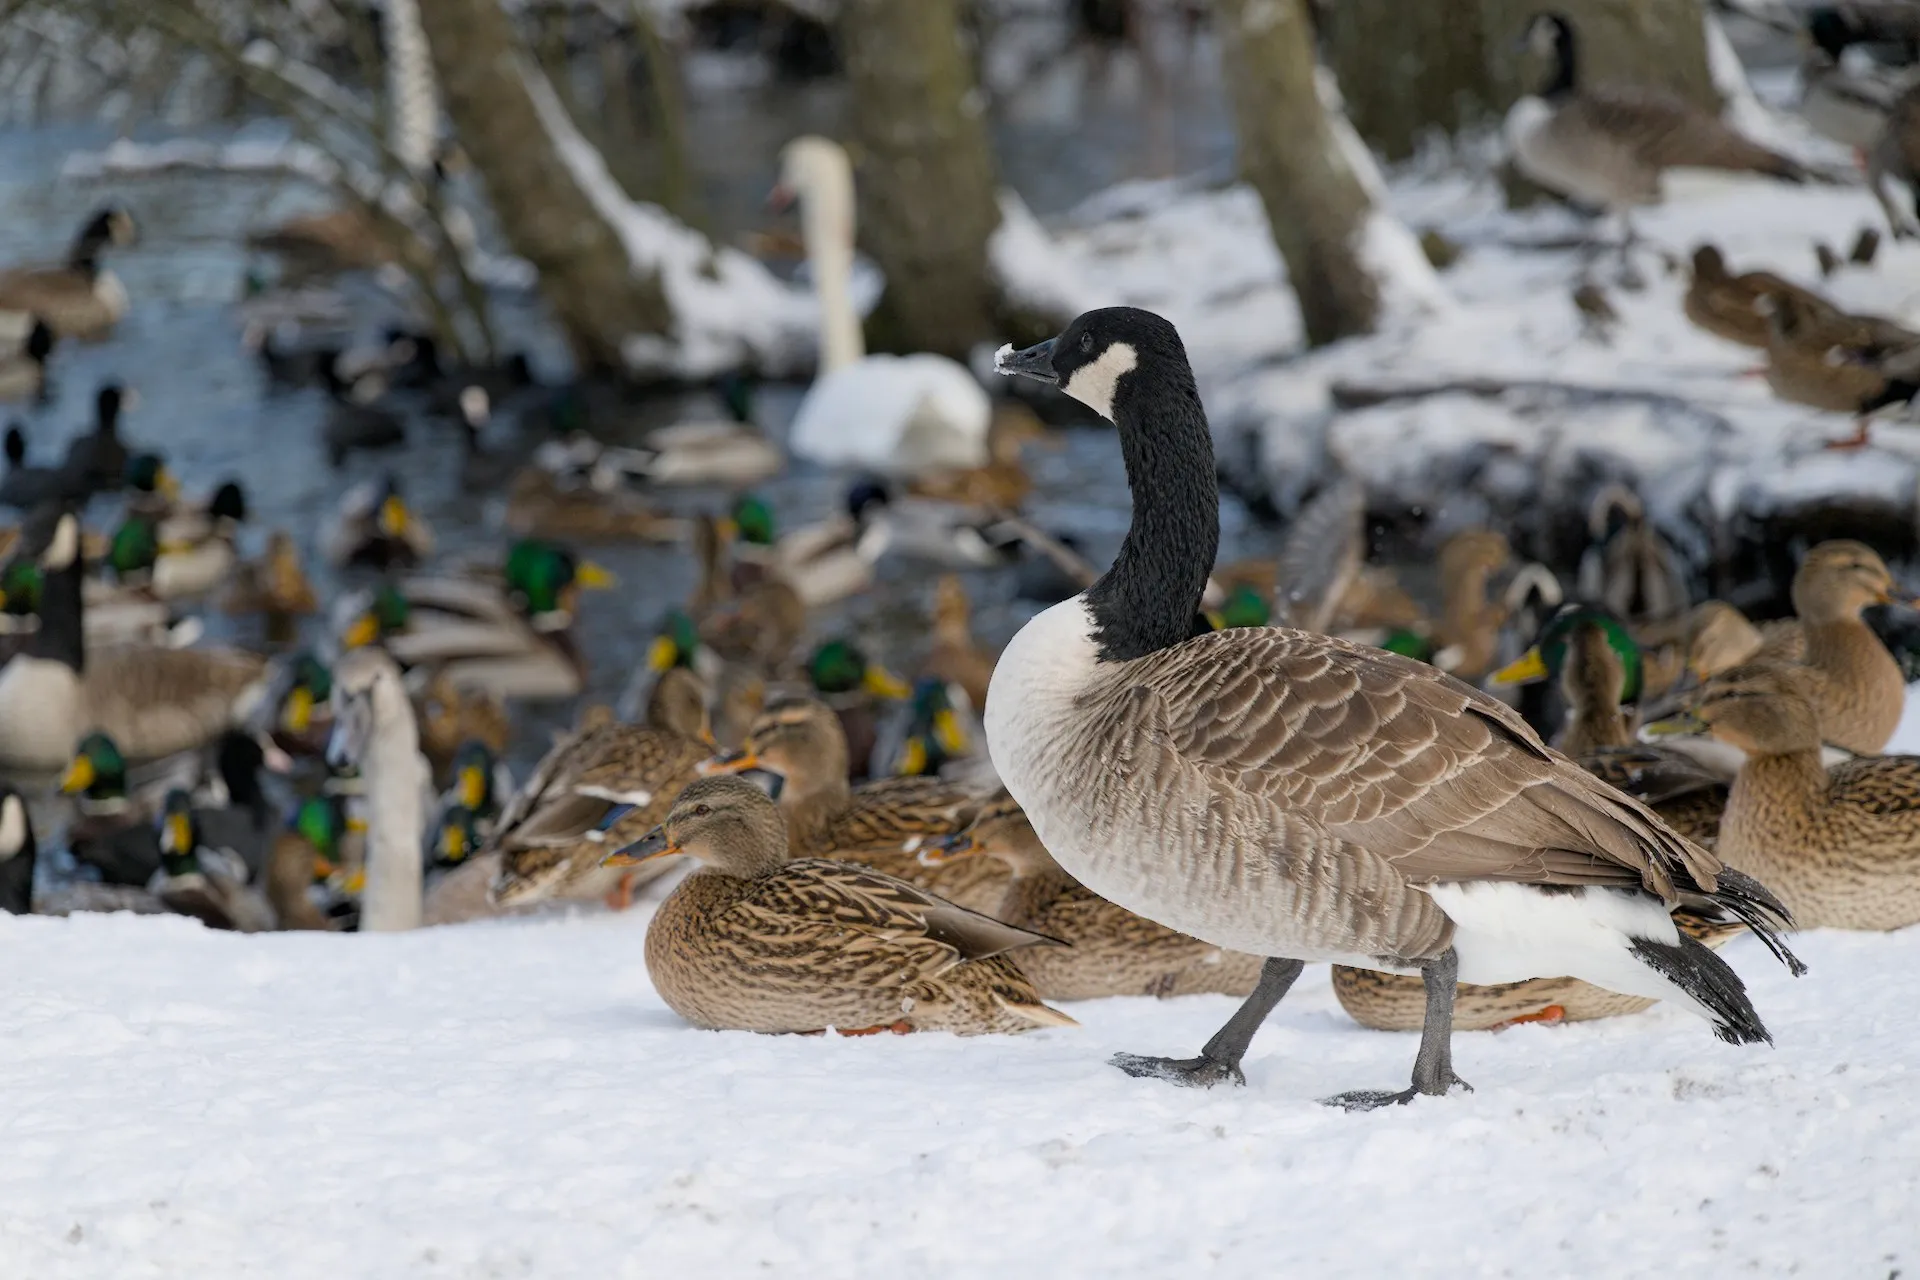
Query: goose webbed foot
point(1220, 1060)
point(1189, 1073)
point(1433, 1065)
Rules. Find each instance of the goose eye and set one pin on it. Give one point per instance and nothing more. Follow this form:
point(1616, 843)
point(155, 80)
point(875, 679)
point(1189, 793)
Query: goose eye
point(1086, 344)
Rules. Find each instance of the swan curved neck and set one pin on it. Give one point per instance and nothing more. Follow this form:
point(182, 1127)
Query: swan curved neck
point(1150, 599)
point(826, 227)
point(394, 771)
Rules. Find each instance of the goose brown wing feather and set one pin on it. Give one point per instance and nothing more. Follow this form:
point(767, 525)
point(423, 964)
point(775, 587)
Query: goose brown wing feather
point(1666, 132)
point(1391, 756)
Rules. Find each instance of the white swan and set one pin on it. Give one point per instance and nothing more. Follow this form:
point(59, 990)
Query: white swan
point(374, 728)
point(899, 415)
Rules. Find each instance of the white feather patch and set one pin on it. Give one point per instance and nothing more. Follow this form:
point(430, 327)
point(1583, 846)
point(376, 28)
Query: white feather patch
point(13, 827)
point(1094, 384)
point(1510, 932)
point(616, 797)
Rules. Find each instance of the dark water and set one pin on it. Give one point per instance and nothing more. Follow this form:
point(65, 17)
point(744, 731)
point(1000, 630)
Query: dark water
point(204, 403)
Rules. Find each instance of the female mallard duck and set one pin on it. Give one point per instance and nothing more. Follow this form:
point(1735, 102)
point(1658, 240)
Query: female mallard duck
point(508, 637)
point(1468, 629)
point(1719, 638)
point(374, 528)
point(882, 824)
point(374, 731)
point(1857, 690)
point(1844, 364)
point(18, 853)
point(1729, 306)
point(273, 587)
point(152, 701)
point(1110, 951)
point(1842, 843)
point(1598, 665)
point(600, 787)
point(956, 657)
point(754, 941)
point(80, 298)
point(844, 678)
point(1297, 797)
point(23, 369)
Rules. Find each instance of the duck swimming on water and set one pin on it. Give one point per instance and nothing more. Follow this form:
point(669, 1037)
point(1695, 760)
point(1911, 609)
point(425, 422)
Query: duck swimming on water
point(1301, 798)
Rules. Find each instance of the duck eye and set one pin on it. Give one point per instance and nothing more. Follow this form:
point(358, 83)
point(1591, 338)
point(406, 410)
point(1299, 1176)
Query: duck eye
point(702, 810)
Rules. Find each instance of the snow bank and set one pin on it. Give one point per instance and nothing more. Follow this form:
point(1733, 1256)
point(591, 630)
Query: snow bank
point(511, 1099)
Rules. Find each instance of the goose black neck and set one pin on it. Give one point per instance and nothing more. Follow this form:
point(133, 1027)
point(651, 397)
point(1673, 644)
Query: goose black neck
point(59, 636)
point(1148, 599)
point(1562, 82)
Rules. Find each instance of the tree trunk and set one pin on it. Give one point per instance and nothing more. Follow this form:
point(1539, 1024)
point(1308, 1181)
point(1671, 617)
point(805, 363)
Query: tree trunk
point(585, 274)
point(1409, 69)
point(926, 181)
point(1314, 202)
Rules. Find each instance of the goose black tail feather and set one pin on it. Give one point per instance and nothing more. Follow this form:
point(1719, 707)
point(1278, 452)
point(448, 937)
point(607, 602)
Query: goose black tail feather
point(1711, 981)
point(1754, 905)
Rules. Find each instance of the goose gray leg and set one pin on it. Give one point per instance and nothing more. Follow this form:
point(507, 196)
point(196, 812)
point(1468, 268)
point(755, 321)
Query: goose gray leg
point(1220, 1060)
point(1433, 1065)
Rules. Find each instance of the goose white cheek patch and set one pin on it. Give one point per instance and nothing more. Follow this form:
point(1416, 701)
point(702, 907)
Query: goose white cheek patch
point(1093, 384)
point(13, 827)
point(65, 545)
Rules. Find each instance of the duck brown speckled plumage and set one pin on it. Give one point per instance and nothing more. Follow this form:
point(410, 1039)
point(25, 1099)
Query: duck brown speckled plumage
point(549, 837)
point(1840, 846)
point(1728, 305)
point(753, 941)
point(1110, 951)
point(882, 824)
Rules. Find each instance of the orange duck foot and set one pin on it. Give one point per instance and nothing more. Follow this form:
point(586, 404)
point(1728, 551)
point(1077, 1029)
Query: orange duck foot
point(620, 897)
point(1858, 440)
point(900, 1027)
point(1552, 1013)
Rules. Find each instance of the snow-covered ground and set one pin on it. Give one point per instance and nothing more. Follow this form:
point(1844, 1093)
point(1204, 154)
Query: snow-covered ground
point(511, 1099)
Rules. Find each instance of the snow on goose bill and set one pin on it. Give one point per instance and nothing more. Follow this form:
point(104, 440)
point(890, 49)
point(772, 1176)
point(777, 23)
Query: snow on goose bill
point(1302, 798)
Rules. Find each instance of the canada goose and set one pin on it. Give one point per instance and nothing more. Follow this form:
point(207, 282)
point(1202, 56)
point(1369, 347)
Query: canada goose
point(757, 941)
point(1607, 145)
point(899, 415)
point(30, 486)
point(1728, 305)
point(1298, 797)
point(374, 730)
point(1842, 843)
point(97, 461)
point(344, 239)
point(23, 370)
point(1850, 106)
point(152, 701)
point(80, 298)
point(1895, 157)
point(18, 852)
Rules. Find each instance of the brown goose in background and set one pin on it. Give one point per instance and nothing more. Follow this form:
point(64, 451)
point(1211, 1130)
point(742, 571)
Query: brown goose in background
point(1607, 145)
point(1298, 797)
point(755, 941)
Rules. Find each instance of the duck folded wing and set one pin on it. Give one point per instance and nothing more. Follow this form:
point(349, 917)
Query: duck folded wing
point(1389, 756)
point(1664, 132)
point(1879, 784)
point(881, 930)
